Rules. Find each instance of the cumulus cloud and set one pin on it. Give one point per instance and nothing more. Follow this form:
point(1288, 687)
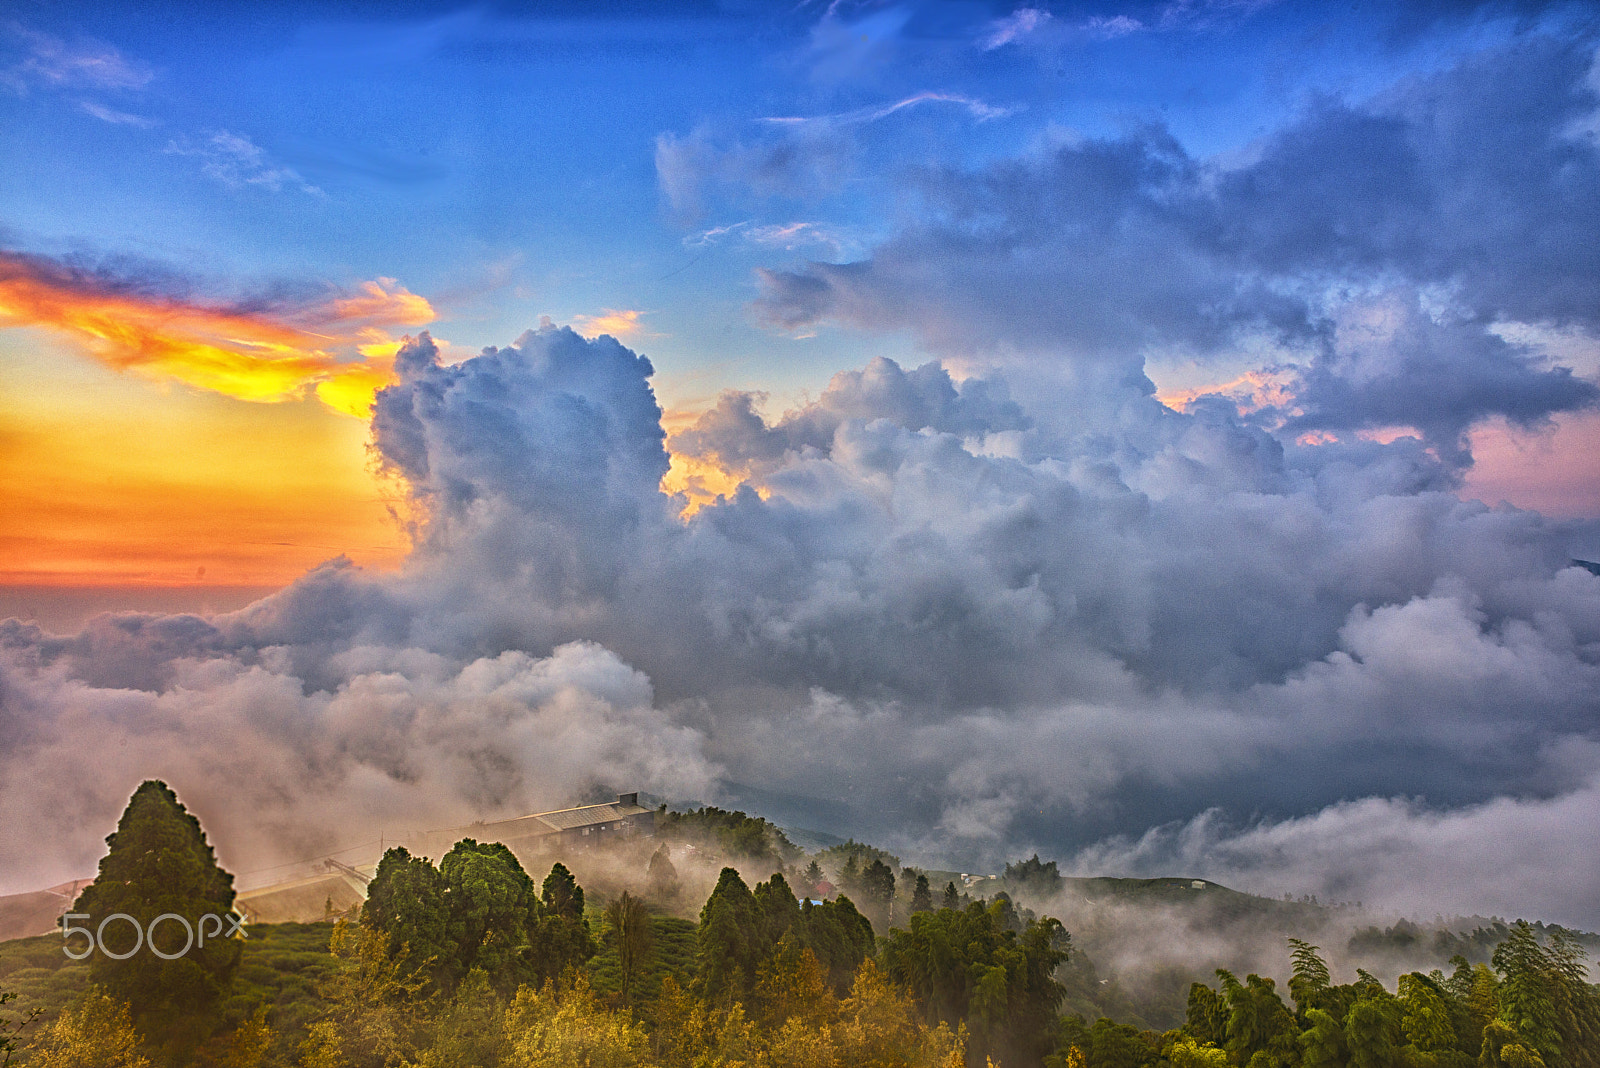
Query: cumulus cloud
point(930, 611)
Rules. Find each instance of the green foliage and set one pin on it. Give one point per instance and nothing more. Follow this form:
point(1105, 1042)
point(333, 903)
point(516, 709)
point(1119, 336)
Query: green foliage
point(471, 1033)
point(630, 932)
point(1425, 1015)
point(1207, 1015)
point(877, 893)
point(811, 879)
point(729, 940)
point(850, 858)
point(733, 834)
point(921, 895)
point(673, 954)
point(969, 967)
point(11, 1030)
point(561, 894)
point(407, 901)
point(1546, 1000)
point(1310, 983)
point(740, 932)
point(492, 908)
point(1259, 1024)
point(561, 940)
point(1372, 1032)
point(839, 936)
point(159, 863)
point(280, 971)
point(1032, 877)
point(478, 909)
point(1322, 1043)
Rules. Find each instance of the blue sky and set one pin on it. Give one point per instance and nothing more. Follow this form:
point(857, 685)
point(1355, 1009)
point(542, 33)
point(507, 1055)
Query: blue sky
point(504, 161)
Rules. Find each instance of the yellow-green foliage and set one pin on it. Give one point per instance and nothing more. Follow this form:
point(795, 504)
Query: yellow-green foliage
point(96, 1033)
point(249, 1045)
point(1187, 1053)
point(550, 1029)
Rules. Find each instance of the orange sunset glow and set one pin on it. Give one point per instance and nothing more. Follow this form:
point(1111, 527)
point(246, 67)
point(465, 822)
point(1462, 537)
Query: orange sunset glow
point(338, 349)
point(115, 480)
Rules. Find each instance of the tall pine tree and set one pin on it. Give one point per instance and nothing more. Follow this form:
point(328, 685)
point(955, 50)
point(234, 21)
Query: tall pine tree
point(159, 863)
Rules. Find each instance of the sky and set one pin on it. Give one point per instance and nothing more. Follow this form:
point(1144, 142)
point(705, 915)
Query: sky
point(1158, 435)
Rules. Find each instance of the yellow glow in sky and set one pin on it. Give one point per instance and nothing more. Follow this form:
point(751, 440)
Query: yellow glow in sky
point(619, 324)
point(338, 348)
point(113, 479)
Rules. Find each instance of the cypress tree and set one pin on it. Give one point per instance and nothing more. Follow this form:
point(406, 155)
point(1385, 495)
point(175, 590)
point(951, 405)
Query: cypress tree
point(159, 863)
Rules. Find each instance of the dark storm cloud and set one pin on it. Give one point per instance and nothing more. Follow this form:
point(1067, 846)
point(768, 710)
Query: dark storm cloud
point(1453, 202)
point(1391, 364)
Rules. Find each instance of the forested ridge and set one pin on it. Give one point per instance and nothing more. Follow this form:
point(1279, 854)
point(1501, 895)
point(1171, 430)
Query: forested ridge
point(831, 960)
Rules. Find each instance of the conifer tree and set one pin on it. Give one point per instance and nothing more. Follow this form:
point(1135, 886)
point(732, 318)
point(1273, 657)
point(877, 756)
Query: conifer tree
point(728, 936)
point(562, 938)
point(877, 891)
point(159, 863)
point(662, 876)
point(812, 879)
point(921, 896)
point(407, 901)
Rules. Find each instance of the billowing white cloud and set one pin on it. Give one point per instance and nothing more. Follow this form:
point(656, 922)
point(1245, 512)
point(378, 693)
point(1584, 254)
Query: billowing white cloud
point(279, 770)
point(958, 617)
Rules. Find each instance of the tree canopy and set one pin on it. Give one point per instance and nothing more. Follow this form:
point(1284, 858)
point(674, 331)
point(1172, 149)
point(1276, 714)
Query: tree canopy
point(158, 863)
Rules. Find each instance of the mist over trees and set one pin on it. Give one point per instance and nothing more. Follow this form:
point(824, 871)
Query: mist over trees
point(471, 962)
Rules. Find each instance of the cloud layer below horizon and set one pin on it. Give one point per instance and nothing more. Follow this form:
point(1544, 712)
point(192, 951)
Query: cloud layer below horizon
point(946, 626)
